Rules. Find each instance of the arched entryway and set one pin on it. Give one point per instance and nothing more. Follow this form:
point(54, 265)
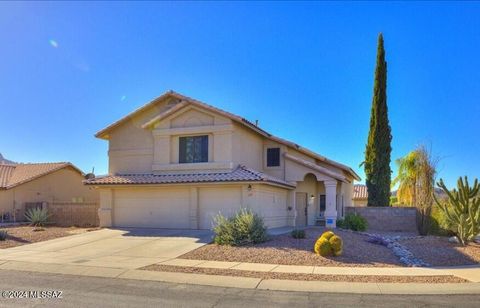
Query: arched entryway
point(316, 201)
point(305, 197)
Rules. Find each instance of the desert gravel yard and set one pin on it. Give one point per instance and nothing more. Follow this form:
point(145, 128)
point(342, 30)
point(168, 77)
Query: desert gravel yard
point(357, 252)
point(437, 251)
point(283, 249)
point(21, 235)
point(307, 277)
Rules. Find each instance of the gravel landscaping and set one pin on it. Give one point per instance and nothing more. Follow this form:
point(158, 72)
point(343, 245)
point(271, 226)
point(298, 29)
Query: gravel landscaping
point(283, 249)
point(21, 235)
point(357, 252)
point(307, 277)
point(438, 251)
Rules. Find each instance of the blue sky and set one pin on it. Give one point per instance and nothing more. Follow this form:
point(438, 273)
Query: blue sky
point(304, 70)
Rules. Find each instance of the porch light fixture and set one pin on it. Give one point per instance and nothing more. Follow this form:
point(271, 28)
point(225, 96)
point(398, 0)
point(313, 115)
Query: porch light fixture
point(311, 200)
point(249, 187)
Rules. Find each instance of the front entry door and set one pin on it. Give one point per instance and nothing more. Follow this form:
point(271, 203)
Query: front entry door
point(302, 214)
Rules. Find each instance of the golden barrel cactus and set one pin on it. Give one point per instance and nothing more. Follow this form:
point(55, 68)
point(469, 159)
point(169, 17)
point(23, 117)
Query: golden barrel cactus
point(328, 244)
point(337, 245)
point(322, 247)
point(327, 235)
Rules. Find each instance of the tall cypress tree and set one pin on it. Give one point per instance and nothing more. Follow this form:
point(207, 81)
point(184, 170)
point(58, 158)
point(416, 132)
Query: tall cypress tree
point(377, 153)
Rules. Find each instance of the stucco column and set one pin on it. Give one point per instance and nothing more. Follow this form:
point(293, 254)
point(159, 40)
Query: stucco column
point(331, 204)
point(105, 210)
point(340, 201)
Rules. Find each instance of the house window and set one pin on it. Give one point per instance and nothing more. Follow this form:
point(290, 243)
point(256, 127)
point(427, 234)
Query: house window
point(273, 157)
point(193, 149)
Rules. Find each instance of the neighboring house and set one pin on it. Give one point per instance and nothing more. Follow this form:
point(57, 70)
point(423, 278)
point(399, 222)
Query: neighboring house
point(40, 183)
point(360, 195)
point(177, 162)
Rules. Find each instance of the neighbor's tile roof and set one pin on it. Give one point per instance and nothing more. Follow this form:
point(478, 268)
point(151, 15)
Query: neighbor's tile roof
point(360, 192)
point(12, 175)
point(241, 174)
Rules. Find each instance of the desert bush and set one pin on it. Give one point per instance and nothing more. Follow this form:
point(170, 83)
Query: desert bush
point(296, 233)
point(224, 230)
point(328, 244)
point(341, 223)
point(439, 224)
point(355, 222)
point(37, 216)
point(3, 235)
point(245, 227)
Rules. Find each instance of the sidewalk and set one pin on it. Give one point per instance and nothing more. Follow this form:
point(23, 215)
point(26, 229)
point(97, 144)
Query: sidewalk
point(471, 273)
point(265, 284)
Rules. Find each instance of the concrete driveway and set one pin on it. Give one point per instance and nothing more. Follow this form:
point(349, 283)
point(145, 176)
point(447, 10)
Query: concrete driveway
point(115, 248)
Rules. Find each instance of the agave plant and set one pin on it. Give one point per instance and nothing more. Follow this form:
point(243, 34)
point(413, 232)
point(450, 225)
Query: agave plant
point(37, 216)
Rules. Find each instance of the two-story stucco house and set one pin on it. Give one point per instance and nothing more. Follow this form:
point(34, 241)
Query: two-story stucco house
point(177, 162)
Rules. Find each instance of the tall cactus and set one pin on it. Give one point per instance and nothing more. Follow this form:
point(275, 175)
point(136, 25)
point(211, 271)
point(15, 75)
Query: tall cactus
point(462, 208)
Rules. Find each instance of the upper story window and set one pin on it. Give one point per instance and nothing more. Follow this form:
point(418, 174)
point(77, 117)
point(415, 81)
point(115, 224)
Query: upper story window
point(193, 149)
point(273, 157)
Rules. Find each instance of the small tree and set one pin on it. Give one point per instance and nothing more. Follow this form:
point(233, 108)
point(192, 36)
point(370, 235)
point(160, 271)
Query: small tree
point(406, 178)
point(416, 179)
point(424, 189)
point(462, 209)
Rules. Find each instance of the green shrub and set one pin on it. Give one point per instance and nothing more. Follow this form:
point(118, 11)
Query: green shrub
point(37, 216)
point(439, 224)
point(296, 233)
point(341, 223)
point(355, 222)
point(3, 235)
point(245, 227)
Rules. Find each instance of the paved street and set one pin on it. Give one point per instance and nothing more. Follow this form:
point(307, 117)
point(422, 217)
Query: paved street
point(82, 291)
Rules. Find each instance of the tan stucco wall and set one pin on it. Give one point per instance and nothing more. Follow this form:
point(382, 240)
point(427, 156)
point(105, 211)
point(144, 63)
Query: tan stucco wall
point(131, 146)
point(359, 202)
point(59, 186)
point(247, 148)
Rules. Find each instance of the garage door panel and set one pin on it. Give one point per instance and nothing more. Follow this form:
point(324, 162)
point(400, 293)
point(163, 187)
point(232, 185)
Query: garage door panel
point(158, 208)
point(213, 201)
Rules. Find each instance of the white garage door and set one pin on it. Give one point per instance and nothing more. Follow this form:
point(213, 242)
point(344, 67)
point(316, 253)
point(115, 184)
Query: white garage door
point(151, 208)
point(212, 201)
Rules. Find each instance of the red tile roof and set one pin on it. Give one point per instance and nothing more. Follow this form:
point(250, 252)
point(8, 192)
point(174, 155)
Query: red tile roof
point(12, 175)
point(241, 174)
point(360, 192)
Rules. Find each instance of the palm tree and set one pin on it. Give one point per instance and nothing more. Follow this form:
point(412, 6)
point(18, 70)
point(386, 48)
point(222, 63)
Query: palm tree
point(407, 178)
